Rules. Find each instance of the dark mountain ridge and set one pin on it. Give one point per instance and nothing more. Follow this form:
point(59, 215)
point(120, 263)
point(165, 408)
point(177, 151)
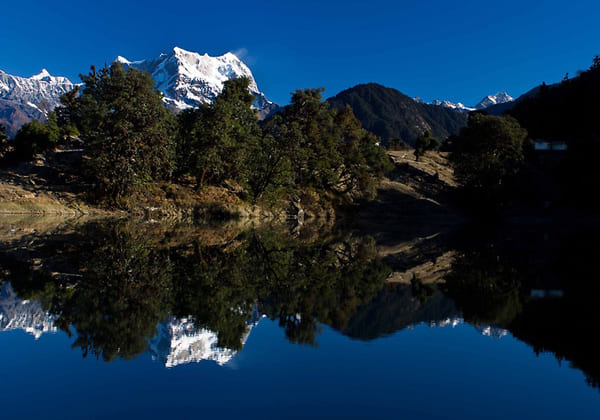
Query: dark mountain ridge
point(390, 114)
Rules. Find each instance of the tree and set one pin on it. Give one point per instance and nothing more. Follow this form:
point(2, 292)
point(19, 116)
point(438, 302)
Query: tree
point(424, 143)
point(3, 141)
point(314, 153)
point(215, 140)
point(323, 149)
point(487, 153)
point(270, 163)
point(36, 137)
point(127, 133)
point(365, 162)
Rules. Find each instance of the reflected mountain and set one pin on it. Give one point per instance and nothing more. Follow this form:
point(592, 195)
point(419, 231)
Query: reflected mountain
point(26, 315)
point(179, 342)
point(538, 283)
point(395, 308)
point(112, 284)
point(121, 288)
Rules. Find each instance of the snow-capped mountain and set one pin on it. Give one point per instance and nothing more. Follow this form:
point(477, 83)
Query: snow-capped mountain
point(498, 98)
point(18, 314)
point(189, 79)
point(25, 99)
point(487, 330)
point(179, 342)
point(458, 106)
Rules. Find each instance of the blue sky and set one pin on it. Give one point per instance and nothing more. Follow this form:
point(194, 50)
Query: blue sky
point(459, 50)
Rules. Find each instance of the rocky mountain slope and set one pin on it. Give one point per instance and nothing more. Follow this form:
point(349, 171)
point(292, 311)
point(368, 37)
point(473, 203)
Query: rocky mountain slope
point(189, 79)
point(25, 99)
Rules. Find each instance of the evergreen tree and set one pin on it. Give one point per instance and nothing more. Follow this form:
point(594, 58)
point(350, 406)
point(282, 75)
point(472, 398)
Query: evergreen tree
point(270, 163)
point(323, 149)
point(364, 161)
point(36, 137)
point(128, 134)
point(3, 141)
point(235, 129)
point(424, 143)
point(487, 154)
point(216, 140)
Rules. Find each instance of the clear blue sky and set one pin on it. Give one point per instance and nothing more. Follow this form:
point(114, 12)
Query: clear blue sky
point(459, 50)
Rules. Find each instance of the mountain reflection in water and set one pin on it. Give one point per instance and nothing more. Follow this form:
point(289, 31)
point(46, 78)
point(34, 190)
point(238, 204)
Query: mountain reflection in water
point(123, 288)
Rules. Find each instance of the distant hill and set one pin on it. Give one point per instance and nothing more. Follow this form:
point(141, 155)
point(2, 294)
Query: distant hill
point(392, 115)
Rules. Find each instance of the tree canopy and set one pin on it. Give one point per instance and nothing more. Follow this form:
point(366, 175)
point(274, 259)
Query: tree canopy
point(216, 140)
point(3, 141)
point(127, 132)
point(488, 150)
point(424, 143)
point(130, 140)
point(326, 149)
point(37, 137)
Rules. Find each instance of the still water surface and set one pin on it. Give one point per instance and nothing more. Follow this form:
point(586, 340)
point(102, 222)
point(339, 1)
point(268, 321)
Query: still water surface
point(122, 320)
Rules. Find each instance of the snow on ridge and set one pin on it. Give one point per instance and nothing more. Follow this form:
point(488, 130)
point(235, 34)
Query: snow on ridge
point(487, 330)
point(42, 90)
point(189, 79)
point(42, 75)
point(498, 98)
point(458, 106)
point(18, 314)
point(179, 342)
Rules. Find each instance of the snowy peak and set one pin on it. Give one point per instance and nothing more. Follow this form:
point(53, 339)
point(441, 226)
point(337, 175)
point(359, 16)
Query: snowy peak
point(25, 315)
point(189, 79)
point(43, 75)
point(122, 60)
point(37, 87)
point(498, 98)
point(180, 342)
point(23, 99)
point(458, 106)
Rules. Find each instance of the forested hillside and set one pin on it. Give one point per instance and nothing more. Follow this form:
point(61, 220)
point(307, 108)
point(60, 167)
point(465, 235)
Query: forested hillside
point(392, 115)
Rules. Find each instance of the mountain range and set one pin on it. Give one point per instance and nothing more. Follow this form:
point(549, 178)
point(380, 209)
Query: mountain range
point(189, 79)
point(26, 99)
point(488, 101)
point(179, 341)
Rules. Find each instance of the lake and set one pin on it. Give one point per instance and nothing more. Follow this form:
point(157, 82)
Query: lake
point(123, 318)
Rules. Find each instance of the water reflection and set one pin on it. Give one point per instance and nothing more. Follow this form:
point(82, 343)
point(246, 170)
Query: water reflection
point(18, 314)
point(538, 283)
point(122, 288)
point(110, 284)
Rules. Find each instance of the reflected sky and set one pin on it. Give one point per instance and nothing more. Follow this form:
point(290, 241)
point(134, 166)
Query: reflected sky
point(436, 372)
point(128, 320)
